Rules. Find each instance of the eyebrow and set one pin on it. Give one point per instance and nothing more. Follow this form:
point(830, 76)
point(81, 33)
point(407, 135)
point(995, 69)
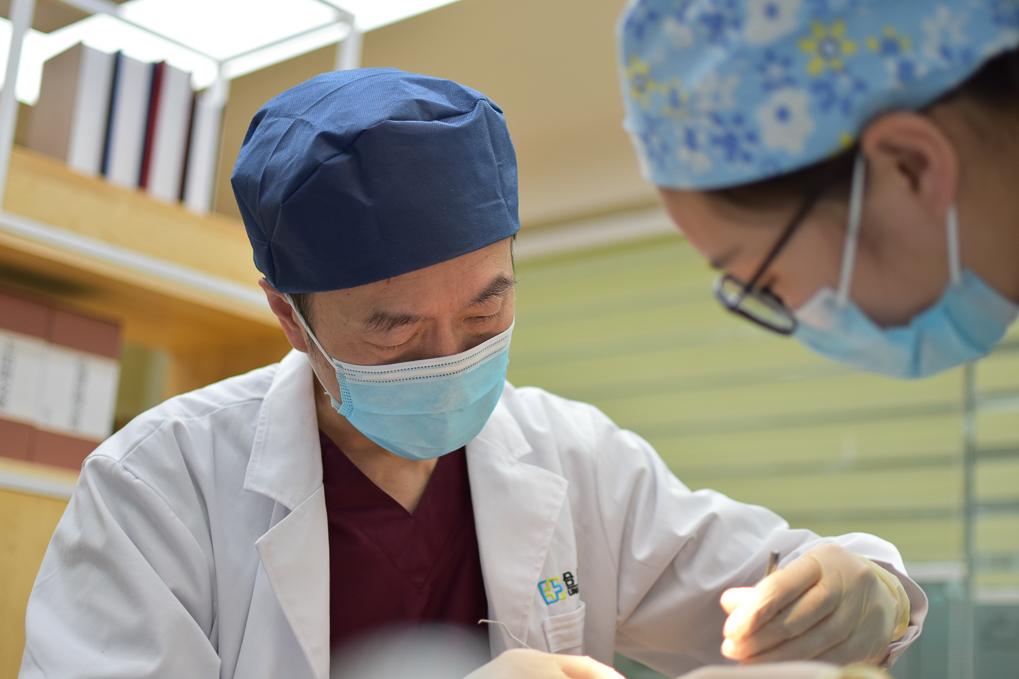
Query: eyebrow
point(497, 288)
point(723, 260)
point(387, 321)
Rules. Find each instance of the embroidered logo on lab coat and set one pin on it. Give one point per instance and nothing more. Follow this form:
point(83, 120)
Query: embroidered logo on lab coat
point(558, 588)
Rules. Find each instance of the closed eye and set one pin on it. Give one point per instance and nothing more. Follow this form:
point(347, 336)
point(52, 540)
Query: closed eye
point(392, 347)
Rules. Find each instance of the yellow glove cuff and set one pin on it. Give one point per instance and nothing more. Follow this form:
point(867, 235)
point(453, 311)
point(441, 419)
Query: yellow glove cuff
point(901, 599)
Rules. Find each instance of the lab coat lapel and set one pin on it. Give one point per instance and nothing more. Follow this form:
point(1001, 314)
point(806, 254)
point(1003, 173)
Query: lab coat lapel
point(516, 509)
point(286, 465)
point(295, 557)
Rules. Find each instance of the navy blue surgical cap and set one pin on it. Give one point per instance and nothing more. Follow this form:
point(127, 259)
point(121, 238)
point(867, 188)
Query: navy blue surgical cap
point(358, 176)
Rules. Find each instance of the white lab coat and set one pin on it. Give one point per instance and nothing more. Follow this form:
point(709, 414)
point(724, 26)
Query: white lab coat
point(195, 544)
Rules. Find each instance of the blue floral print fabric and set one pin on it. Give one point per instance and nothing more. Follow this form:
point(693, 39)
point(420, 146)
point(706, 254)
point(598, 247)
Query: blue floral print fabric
point(720, 93)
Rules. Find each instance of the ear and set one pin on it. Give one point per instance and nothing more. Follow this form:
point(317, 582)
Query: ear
point(910, 157)
point(286, 316)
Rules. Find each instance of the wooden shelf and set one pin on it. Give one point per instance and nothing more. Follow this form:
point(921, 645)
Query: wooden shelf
point(50, 15)
point(176, 280)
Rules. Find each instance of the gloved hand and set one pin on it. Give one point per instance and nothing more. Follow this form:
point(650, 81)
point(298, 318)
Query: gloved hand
point(527, 663)
point(787, 670)
point(829, 605)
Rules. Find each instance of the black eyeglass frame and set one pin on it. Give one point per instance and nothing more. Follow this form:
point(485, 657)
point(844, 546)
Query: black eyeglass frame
point(764, 295)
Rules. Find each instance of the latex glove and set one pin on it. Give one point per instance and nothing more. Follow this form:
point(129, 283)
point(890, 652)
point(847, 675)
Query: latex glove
point(787, 670)
point(527, 663)
point(829, 605)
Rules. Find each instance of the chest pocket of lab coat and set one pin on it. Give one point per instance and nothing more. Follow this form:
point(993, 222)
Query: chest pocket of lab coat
point(564, 633)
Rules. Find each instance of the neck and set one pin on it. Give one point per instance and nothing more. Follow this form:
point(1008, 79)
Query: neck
point(403, 480)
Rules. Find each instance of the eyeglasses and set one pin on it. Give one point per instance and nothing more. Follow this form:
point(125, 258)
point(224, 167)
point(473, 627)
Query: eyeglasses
point(761, 305)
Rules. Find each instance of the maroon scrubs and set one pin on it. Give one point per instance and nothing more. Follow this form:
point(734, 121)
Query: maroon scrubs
point(388, 567)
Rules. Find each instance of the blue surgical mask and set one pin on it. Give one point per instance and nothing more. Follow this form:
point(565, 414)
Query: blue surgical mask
point(967, 321)
point(421, 410)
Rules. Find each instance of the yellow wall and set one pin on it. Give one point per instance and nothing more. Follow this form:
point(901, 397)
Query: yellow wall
point(549, 65)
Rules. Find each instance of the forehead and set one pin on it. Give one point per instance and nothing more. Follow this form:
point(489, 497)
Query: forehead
point(703, 215)
point(450, 281)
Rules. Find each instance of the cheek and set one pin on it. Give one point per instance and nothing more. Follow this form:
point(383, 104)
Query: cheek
point(325, 375)
point(810, 262)
point(891, 294)
point(707, 239)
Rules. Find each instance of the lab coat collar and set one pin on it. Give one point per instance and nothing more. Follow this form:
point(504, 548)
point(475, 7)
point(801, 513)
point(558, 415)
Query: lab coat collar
point(502, 435)
point(286, 457)
point(516, 508)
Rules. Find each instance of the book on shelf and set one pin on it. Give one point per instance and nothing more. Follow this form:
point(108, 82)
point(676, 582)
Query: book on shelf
point(23, 329)
point(59, 372)
point(125, 127)
point(155, 92)
point(140, 125)
point(79, 388)
point(169, 120)
point(69, 120)
point(203, 152)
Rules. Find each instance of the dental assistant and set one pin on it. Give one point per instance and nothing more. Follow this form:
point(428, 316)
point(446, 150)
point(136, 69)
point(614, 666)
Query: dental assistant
point(850, 167)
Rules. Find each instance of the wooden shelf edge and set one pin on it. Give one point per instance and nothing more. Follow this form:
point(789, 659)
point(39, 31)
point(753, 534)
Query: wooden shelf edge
point(45, 191)
point(37, 479)
point(77, 252)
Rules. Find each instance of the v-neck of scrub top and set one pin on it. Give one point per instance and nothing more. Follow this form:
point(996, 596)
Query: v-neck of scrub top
point(391, 567)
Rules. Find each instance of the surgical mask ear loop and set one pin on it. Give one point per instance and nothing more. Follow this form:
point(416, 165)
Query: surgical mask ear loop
point(314, 339)
point(307, 328)
point(505, 627)
point(852, 228)
point(954, 257)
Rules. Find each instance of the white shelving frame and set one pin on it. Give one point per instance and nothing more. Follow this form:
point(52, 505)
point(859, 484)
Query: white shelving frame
point(348, 56)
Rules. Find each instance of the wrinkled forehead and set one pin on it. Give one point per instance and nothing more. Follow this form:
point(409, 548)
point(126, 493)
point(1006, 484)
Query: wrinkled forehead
point(471, 278)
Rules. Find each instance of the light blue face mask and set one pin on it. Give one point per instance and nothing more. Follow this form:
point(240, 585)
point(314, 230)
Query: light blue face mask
point(421, 410)
point(963, 325)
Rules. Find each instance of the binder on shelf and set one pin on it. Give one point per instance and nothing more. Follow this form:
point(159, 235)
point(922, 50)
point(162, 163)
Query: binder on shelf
point(69, 120)
point(203, 152)
point(128, 115)
point(79, 388)
point(104, 164)
point(187, 147)
point(23, 330)
point(169, 121)
point(137, 124)
point(155, 91)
